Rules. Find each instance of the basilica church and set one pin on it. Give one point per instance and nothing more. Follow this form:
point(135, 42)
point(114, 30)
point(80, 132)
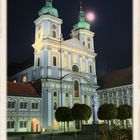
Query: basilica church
point(64, 73)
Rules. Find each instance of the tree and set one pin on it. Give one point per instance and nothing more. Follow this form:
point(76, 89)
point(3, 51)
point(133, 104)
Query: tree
point(86, 112)
point(77, 113)
point(107, 112)
point(63, 114)
point(124, 112)
point(81, 112)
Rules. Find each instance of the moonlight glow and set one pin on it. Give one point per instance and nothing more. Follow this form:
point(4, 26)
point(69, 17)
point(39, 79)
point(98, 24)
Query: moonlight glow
point(90, 16)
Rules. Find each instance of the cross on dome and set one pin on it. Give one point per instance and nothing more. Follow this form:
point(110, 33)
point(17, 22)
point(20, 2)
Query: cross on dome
point(49, 2)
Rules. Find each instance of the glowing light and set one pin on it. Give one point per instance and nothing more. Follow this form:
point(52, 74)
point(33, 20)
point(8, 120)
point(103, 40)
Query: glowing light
point(90, 16)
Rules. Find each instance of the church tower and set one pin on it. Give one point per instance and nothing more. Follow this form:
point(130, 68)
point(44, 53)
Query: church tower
point(48, 38)
point(47, 35)
point(82, 32)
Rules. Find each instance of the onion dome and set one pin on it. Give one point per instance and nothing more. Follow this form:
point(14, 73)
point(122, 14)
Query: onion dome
point(82, 24)
point(48, 9)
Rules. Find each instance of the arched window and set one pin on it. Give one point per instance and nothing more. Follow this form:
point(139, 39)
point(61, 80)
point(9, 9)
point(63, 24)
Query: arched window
point(55, 94)
point(75, 68)
point(83, 42)
point(76, 89)
point(54, 34)
point(55, 105)
point(38, 62)
point(54, 61)
point(90, 68)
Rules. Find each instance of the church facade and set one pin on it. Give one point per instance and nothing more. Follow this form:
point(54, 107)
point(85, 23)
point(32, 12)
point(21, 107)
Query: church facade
point(65, 68)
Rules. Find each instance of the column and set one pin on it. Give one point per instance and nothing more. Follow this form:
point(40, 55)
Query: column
point(63, 99)
point(44, 63)
point(44, 108)
point(71, 101)
point(95, 108)
point(49, 109)
point(69, 59)
point(59, 99)
point(82, 99)
point(88, 100)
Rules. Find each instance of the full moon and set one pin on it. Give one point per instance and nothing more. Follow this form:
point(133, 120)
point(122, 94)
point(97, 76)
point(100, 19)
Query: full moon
point(90, 16)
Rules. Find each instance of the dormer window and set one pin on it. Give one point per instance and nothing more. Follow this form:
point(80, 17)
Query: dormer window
point(24, 79)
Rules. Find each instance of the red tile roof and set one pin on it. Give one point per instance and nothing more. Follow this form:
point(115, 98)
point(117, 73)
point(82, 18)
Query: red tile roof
point(114, 79)
point(21, 89)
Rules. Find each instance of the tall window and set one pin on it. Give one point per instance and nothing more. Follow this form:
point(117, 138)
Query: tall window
point(54, 61)
point(76, 89)
point(54, 34)
point(38, 62)
point(55, 105)
point(75, 68)
point(83, 42)
point(10, 124)
point(90, 68)
point(67, 95)
point(89, 45)
point(55, 94)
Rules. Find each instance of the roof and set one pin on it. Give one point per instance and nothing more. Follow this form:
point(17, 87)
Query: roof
point(20, 89)
point(114, 79)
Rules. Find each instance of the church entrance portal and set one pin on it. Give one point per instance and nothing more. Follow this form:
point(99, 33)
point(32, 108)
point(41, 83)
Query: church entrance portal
point(35, 125)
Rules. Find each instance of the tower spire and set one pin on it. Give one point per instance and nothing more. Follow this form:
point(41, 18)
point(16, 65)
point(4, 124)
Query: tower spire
point(48, 9)
point(82, 24)
point(81, 13)
point(81, 8)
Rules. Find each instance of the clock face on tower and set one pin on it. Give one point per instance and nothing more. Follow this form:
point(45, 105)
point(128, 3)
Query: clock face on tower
point(88, 39)
point(54, 26)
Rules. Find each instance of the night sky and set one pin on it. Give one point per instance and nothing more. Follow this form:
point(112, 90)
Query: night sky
point(112, 27)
